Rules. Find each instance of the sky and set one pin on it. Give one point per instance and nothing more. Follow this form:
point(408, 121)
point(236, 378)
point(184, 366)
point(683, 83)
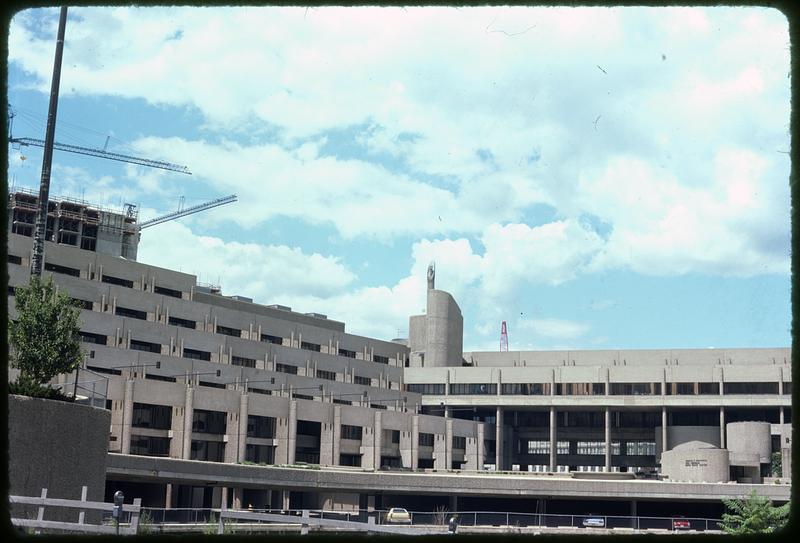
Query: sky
point(598, 178)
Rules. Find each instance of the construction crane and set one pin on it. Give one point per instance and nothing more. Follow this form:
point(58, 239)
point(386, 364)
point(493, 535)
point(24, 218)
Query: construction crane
point(101, 153)
point(188, 211)
point(503, 337)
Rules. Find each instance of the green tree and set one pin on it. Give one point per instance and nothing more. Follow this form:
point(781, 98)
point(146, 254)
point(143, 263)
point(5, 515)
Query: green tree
point(44, 339)
point(776, 461)
point(753, 515)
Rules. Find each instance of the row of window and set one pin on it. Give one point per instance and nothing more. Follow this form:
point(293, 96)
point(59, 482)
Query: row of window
point(598, 389)
point(632, 448)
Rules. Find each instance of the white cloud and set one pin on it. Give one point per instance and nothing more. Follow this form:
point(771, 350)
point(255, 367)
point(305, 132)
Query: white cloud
point(261, 272)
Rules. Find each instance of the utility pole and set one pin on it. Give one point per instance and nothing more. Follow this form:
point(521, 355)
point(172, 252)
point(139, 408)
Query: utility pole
point(40, 232)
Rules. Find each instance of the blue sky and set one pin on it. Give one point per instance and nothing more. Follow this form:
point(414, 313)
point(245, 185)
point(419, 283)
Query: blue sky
point(598, 178)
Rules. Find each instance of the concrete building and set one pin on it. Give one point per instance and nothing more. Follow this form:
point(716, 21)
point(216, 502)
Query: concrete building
point(200, 379)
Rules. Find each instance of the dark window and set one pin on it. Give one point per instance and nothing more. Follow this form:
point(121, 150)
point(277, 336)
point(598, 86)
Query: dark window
point(459, 442)
point(298, 396)
point(425, 439)
point(787, 387)
point(343, 402)
point(117, 281)
point(525, 389)
point(263, 427)
point(348, 354)
point(152, 416)
point(307, 456)
point(750, 388)
point(260, 454)
point(349, 459)
point(260, 391)
point(149, 445)
point(427, 388)
point(224, 330)
point(85, 304)
point(197, 355)
point(99, 369)
point(359, 380)
point(473, 388)
point(210, 451)
point(708, 388)
point(88, 337)
point(581, 419)
point(391, 462)
point(286, 368)
point(425, 463)
point(184, 323)
point(309, 346)
point(308, 427)
point(156, 377)
point(638, 419)
point(580, 389)
point(324, 374)
point(635, 389)
point(168, 292)
point(14, 259)
point(380, 359)
point(351, 432)
point(62, 269)
point(146, 346)
point(211, 385)
point(680, 389)
point(271, 339)
point(209, 422)
point(377, 406)
point(12, 291)
point(132, 313)
point(242, 361)
point(395, 436)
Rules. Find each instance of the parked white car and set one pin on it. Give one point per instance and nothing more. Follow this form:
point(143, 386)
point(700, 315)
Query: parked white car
point(398, 515)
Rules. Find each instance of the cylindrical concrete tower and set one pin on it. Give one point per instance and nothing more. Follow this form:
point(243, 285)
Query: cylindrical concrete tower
point(444, 336)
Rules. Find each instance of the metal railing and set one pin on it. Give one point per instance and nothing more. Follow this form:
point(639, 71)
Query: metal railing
point(500, 519)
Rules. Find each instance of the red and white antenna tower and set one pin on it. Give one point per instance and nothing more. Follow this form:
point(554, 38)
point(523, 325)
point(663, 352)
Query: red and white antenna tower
point(503, 337)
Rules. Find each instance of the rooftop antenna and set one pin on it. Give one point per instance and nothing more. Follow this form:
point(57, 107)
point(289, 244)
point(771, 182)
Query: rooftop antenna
point(503, 337)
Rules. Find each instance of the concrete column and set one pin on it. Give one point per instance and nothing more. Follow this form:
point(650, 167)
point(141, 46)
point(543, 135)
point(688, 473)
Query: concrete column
point(291, 437)
point(337, 433)
point(168, 496)
point(127, 417)
point(722, 428)
point(406, 440)
point(414, 441)
point(448, 443)
point(479, 446)
point(608, 440)
point(378, 440)
point(498, 448)
point(780, 416)
point(553, 440)
point(284, 500)
point(241, 439)
point(188, 416)
point(664, 444)
point(326, 440)
point(238, 496)
point(608, 382)
point(223, 498)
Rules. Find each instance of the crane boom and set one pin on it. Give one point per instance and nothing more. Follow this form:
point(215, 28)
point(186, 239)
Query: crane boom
point(188, 211)
point(104, 154)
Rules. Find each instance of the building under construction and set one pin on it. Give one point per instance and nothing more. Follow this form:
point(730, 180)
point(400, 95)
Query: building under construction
point(77, 223)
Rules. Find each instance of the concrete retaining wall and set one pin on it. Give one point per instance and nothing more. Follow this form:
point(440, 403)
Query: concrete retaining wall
point(59, 446)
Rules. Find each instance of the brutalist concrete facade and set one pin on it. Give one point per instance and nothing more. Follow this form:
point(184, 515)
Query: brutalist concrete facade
point(190, 374)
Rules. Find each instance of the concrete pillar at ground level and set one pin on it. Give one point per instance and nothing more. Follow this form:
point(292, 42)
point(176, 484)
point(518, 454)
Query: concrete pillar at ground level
point(498, 444)
point(284, 500)
point(337, 432)
point(238, 496)
point(188, 416)
point(127, 417)
point(378, 437)
point(241, 438)
point(168, 496)
point(448, 444)
point(326, 441)
point(553, 439)
point(415, 441)
point(291, 437)
point(608, 439)
point(479, 461)
point(664, 444)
